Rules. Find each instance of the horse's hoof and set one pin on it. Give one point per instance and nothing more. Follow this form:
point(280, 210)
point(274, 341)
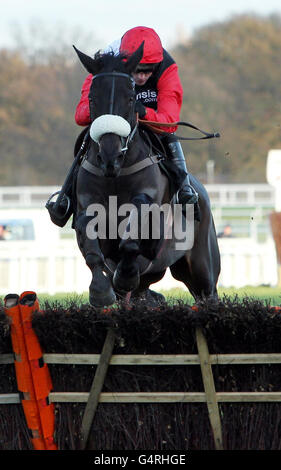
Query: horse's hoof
point(157, 297)
point(125, 284)
point(150, 297)
point(102, 299)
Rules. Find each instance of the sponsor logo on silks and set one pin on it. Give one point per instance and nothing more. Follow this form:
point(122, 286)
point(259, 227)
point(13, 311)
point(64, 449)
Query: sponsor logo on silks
point(151, 222)
point(147, 96)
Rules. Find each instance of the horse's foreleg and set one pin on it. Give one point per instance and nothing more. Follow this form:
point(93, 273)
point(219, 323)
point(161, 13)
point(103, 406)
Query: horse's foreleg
point(101, 292)
point(127, 277)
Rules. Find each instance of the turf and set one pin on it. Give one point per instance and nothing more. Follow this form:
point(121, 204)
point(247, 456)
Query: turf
point(265, 294)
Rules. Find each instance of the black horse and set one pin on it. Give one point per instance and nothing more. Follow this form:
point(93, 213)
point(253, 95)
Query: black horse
point(120, 168)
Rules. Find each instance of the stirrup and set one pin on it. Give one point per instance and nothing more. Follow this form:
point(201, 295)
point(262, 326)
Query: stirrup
point(197, 212)
point(192, 197)
point(59, 215)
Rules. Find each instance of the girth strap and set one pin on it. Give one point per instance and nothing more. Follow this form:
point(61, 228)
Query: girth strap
point(129, 170)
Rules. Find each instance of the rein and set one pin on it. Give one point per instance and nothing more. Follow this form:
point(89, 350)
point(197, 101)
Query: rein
point(154, 126)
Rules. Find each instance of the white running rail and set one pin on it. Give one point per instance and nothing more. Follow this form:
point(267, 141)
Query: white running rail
point(60, 267)
point(221, 195)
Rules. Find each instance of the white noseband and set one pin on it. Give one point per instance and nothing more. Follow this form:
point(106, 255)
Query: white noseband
point(109, 123)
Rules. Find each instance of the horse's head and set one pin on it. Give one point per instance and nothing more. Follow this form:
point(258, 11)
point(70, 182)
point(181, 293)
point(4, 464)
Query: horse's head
point(112, 104)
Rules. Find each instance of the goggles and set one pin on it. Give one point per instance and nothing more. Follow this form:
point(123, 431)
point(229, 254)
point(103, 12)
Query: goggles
point(145, 68)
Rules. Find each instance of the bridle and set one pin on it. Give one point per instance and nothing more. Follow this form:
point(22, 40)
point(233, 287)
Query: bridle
point(114, 75)
point(125, 141)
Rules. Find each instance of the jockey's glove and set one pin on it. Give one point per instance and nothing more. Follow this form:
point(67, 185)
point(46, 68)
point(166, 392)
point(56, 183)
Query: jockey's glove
point(140, 109)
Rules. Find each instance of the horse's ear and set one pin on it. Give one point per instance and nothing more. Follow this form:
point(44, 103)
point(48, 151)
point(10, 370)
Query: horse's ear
point(135, 58)
point(89, 63)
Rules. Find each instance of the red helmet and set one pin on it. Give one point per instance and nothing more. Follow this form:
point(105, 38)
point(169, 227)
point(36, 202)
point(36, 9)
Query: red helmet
point(153, 50)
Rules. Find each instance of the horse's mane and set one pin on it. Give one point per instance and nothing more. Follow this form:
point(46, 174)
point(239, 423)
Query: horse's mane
point(109, 61)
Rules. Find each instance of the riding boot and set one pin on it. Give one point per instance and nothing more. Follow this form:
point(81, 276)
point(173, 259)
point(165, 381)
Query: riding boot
point(61, 211)
point(186, 193)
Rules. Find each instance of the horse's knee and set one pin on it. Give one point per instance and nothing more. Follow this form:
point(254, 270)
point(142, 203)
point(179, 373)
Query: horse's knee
point(93, 259)
point(129, 247)
point(140, 199)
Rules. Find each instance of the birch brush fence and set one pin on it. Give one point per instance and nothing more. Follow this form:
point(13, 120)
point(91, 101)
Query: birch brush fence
point(172, 378)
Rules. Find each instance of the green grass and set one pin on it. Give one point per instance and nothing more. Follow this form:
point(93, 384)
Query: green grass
point(270, 295)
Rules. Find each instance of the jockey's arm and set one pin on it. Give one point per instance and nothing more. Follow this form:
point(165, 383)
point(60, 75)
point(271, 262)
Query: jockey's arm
point(169, 99)
point(82, 114)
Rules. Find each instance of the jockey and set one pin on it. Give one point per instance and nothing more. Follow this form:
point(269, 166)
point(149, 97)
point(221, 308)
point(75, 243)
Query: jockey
point(159, 96)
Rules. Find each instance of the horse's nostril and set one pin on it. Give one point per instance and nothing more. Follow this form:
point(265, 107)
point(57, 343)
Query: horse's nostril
point(99, 159)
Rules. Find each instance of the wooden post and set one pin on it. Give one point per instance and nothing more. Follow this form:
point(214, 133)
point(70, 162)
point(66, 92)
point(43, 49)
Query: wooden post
point(275, 221)
point(96, 388)
point(209, 386)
